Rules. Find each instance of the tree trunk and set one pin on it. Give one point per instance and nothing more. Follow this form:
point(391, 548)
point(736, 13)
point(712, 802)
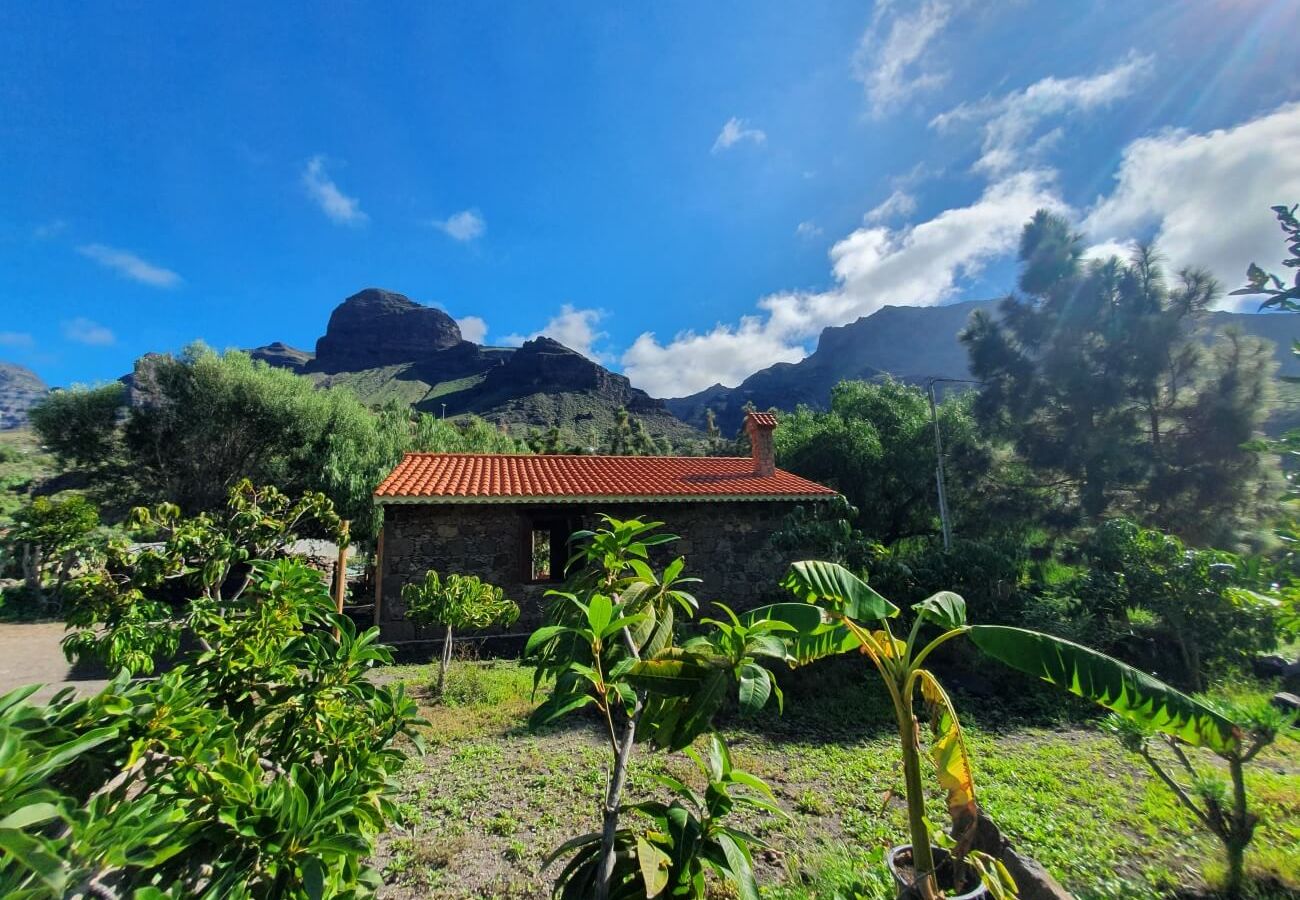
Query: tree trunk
point(1239, 830)
point(32, 569)
point(446, 661)
point(614, 795)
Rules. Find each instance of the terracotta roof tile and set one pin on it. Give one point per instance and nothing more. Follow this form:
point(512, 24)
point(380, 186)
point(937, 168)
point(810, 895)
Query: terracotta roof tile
point(447, 477)
point(765, 420)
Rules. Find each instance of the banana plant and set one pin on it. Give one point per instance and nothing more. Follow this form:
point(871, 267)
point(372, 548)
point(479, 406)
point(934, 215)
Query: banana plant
point(843, 613)
point(672, 854)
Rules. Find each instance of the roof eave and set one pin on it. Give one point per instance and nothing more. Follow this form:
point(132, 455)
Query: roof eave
point(519, 499)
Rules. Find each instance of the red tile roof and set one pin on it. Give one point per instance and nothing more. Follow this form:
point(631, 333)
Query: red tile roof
point(764, 420)
point(502, 478)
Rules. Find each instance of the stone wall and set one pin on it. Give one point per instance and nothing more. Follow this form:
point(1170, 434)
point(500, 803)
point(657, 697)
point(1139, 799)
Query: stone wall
point(726, 544)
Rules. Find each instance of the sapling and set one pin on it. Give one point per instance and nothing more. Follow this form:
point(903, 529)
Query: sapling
point(1219, 805)
point(457, 601)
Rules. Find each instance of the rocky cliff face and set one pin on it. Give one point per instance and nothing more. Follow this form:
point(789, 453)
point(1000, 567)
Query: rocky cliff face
point(20, 390)
point(911, 343)
point(283, 356)
point(377, 328)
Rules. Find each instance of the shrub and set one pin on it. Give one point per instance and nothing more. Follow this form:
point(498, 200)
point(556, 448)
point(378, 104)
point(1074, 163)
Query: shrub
point(260, 769)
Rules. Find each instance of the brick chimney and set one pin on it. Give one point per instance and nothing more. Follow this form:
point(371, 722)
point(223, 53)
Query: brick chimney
point(759, 426)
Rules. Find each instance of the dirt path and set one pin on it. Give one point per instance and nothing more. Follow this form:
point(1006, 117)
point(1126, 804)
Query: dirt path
point(30, 654)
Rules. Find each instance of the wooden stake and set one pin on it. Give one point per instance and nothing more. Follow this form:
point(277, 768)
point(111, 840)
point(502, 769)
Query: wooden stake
point(341, 571)
point(379, 575)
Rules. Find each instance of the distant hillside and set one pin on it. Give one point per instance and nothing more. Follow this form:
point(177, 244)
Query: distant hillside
point(383, 346)
point(20, 390)
point(912, 343)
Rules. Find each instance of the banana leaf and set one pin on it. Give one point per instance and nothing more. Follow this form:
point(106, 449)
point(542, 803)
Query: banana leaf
point(1117, 686)
point(834, 586)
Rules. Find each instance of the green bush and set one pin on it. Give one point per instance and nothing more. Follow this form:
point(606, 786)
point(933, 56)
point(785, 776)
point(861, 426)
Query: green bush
point(259, 769)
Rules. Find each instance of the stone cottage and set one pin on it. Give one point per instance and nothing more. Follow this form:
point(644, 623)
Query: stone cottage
point(508, 518)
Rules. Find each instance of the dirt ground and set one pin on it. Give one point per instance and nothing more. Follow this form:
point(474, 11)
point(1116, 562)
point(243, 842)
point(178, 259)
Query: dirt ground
point(30, 654)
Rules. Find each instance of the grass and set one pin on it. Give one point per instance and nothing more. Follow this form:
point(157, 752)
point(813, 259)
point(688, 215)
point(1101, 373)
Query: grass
point(22, 463)
point(490, 799)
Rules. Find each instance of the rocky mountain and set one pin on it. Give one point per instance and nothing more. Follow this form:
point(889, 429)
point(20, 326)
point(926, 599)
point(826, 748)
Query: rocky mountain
point(911, 343)
point(20, 389)
point(383, 345)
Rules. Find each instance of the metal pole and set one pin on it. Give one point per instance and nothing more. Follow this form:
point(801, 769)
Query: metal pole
point(938, 472)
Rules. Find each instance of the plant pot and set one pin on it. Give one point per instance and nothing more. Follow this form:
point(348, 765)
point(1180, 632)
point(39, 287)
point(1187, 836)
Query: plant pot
point(899, 860)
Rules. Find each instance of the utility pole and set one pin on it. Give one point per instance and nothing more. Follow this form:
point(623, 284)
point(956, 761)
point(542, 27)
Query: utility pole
point(938, 470)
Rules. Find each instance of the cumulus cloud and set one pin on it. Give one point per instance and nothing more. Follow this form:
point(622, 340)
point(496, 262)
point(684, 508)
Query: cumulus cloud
point(1205, 198)
point(737, 131)
point(1010, 122)
point(808, 230)
point(472, 329)
point(128, 265)
point(899, 203)
point(17, 339)
point(893, 62)
point(86, 331)
point(339, 207)
point(874, 266)
point(577, 329)
point(463, 226)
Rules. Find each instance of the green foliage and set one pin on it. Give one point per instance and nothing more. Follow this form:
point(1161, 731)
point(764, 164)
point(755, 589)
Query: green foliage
point(259, 769)
point(52, 536)
point(1219, 806)
point(79, 426)
point(133, 604)
point(1197, 596)
point(671, 854)
point(1096, 373)
point(608, 643)
point(208, 420)
point(875, 445)
point(1261, 283)
point(458, 601)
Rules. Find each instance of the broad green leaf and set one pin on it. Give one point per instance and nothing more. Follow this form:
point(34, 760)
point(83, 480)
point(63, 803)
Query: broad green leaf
point(31, 814)
point(948, 750)
point(544, 635)
point(1115, 685)
point(557, 705)
point(654, 864)
point(599, 612)
point(741, 869)
point(816, 634)
point(834, 586)
point(755, 688)
point(945, 609)
point(672, 673)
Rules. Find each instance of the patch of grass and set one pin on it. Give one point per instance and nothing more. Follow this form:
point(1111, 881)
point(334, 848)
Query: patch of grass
point(1062, 791)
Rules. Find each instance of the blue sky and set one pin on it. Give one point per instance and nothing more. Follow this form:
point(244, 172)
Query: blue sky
point(687, 192)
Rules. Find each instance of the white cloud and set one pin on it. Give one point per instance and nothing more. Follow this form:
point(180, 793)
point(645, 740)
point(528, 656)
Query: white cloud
point(1205, 198)
point(463, 226)
point(899, 203)
point(16, 339)
point(1010, 121)
point(128, 265)
point(735, 132)
point(85, 331)
point(51, 229)
point(808, 230)
point(918, 265)
point(472, 329)
point(340, 208)
point(893, 60)
point(577, 329)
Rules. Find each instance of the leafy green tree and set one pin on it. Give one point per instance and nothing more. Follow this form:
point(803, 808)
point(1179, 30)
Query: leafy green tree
point(457, 601)
point(875, 444)
point(203, 421)
point(261, 768)
point(608, 643)
point(133, 604)
point(1096, 372)
point(53, 535)
point(1201, 609)
point(80, 426)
